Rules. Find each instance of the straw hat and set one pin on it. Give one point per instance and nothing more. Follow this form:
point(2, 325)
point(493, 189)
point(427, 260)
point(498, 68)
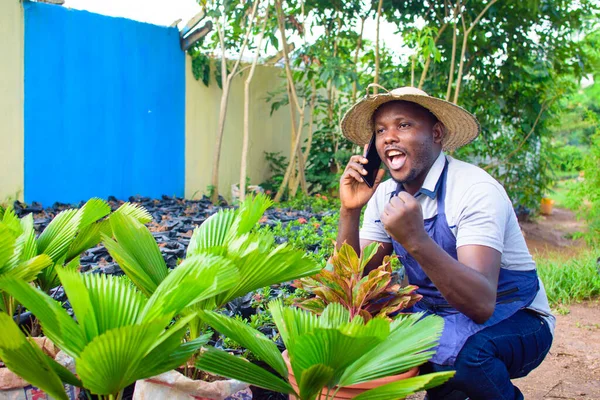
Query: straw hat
point(461, 126)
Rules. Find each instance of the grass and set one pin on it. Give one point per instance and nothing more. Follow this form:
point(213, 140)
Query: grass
point(570, 280)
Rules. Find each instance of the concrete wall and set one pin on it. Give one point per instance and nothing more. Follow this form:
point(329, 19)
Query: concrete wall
point(11, 100)
point(267, 133)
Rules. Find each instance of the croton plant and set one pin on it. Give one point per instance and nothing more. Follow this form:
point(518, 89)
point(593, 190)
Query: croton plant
point(344, 282)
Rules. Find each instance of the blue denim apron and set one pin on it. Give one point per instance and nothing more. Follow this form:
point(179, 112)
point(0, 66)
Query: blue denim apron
point(516, 289)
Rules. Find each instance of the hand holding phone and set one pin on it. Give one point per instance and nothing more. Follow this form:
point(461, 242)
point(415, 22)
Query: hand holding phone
point(373, 164)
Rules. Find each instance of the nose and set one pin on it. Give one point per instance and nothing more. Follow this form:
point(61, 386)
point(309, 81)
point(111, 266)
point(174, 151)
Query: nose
point(390, 136)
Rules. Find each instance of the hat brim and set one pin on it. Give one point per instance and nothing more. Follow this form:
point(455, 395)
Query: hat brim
point(461, 126)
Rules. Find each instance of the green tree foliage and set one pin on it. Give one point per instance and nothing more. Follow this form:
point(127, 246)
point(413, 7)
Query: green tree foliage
point(512, 63)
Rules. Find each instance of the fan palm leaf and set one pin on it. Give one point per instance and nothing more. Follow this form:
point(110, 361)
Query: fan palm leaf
point(27, 360)
point(136, 251)
point(261, 346)
point(408, 345)
point(196, 279)
point(11, 221)
point(406, 387)
point(332, 351)
point(230, 366)
point(56, 323)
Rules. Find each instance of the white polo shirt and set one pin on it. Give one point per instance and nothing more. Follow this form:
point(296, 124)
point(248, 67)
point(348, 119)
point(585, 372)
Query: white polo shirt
point(478, 211)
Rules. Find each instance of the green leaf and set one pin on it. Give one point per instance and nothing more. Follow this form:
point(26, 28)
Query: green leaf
point(292, 322)
point(170, 354)
point(87, 238)
point(135, 211)
point(259, 267)
point(27, 360)
point(314, 379)
point(329, 347)
point(29, 249)
point(348, 257)
point(136, 252)
point(101, 302)
point(224, 364)
point(29, 269)
point(59, 234)
point(56, 323)
point(93, 210)
point(367, 253)
point(109, 362)
point(250, 212)
point(12, 222)
point(212, 233)
point(403, 388)
point(315, 305)
point(408, 345)
point(334, 316)
point(196, 279)
point(265, 349)
point(7, 246)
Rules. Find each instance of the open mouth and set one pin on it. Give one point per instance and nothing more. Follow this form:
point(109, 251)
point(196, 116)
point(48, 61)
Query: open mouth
point(396, 159)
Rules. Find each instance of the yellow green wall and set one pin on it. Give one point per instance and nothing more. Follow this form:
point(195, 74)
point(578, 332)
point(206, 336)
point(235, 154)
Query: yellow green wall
point(11, 100)
point(267, 133)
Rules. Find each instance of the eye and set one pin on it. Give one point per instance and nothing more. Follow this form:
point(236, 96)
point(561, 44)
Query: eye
point(379, 130)
point(404, 125)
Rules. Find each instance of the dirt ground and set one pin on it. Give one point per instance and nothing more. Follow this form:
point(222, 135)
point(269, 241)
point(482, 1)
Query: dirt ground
point(572, 368)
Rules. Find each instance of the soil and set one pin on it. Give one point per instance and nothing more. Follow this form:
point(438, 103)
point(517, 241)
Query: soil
point(571, 369)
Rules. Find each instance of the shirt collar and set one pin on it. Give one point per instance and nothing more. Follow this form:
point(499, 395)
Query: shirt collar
point(430, 186)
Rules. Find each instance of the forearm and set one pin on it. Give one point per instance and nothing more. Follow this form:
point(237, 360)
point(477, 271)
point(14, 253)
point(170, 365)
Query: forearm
point(466, 289)
point(348, 228)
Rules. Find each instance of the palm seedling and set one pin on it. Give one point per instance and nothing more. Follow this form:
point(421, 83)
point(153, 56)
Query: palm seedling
point(328, 352)
point(229, 234)
point(119, 335)
point(69, 234)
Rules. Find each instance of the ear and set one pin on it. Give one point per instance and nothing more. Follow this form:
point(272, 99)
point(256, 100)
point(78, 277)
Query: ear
point(439, 131)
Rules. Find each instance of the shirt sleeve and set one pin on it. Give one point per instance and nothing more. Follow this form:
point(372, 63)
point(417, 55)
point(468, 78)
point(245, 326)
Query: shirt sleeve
point(483, 216)
point(372, 227)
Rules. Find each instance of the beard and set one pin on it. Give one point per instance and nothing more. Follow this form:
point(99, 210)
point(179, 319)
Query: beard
point(421, 161)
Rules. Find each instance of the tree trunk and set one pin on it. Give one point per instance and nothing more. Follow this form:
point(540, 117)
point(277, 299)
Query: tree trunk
point(294, 105)
point(226, 85)
point(452, 61)
point(244, 160)
point(464, 46)
point(376, 80)
point(358, 46)
point(461, 64)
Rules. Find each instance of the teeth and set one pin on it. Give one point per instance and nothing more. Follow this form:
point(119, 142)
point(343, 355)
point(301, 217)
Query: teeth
point(394, 153)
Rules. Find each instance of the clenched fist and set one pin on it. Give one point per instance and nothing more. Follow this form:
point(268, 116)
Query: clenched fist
point(402, 218)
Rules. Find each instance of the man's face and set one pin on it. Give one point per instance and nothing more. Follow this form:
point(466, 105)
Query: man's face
point(408, 140)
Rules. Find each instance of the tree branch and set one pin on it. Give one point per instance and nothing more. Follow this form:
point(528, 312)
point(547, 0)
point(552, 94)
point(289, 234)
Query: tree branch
point(520, 145)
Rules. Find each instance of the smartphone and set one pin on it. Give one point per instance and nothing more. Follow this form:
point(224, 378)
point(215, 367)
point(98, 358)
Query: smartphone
point(373, 164)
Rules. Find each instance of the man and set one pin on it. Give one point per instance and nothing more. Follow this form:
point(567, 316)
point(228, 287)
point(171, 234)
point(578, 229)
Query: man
point(454, 229)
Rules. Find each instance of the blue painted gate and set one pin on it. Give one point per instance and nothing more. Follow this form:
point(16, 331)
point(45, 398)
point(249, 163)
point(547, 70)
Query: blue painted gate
point(104, 107)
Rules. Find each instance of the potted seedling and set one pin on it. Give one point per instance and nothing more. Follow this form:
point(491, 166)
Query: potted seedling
point(119, 335)
point(330, 356)
point(229, 234)
point(31, 258)
point(366, 295)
